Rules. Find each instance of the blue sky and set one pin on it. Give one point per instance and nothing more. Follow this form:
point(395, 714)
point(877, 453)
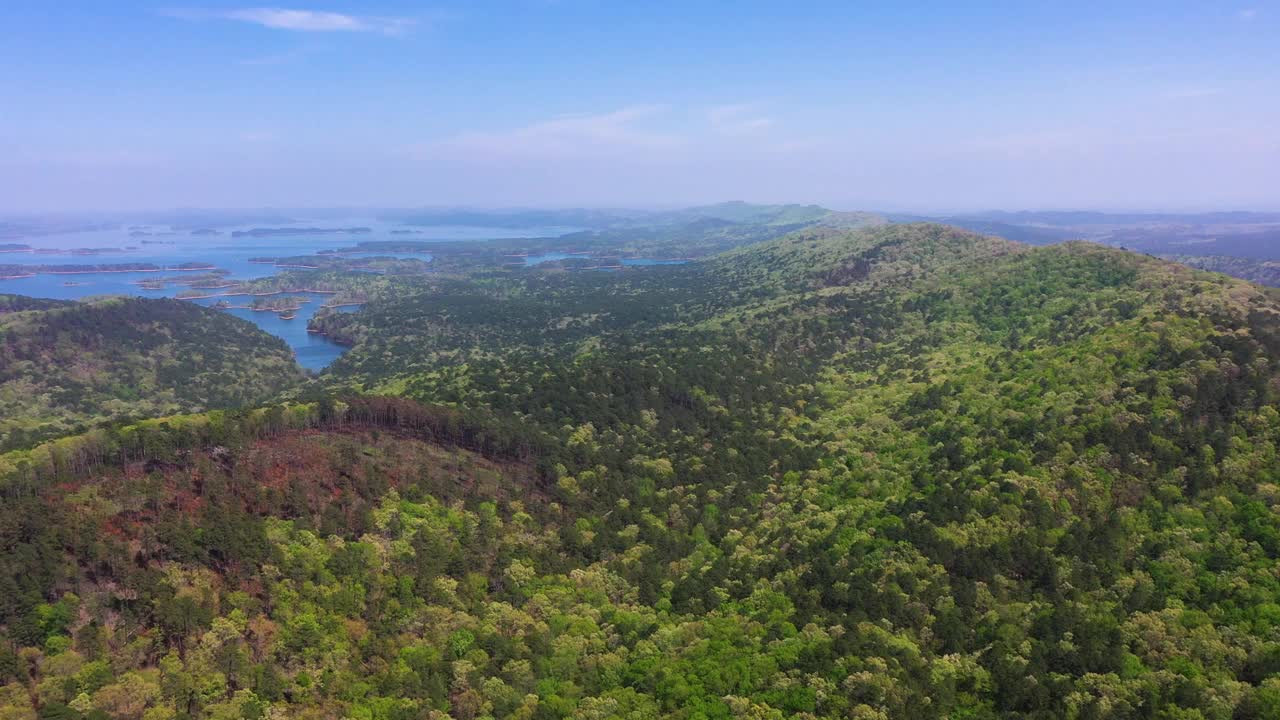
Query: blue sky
point(931, 107)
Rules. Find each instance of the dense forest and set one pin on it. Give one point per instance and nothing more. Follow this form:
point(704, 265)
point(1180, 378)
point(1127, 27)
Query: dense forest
point(66, 366)
point(846, 472)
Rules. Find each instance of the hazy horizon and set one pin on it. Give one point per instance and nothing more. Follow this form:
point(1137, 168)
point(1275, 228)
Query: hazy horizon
point(568, 103)
point(370, 212)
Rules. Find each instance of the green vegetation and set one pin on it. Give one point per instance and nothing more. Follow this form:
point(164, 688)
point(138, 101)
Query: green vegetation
point(18, 303)
point(213, 280)
point(882, 472)
point(327, 274)
point(336, 282)
point(336, 261)
point(67, 366)
point(279, 303)
point(13, 270)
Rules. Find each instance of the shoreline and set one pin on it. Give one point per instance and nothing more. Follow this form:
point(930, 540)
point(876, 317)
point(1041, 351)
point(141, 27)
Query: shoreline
point(176, 282)
point(110, 271)
point(94, 272)
point(253, 294)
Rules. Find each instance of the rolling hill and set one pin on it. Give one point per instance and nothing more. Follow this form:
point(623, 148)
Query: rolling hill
point(65, 366)
point(898, 471)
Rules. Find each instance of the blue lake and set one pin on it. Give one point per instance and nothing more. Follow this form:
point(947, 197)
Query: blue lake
point(314, 352)
point(551, 257)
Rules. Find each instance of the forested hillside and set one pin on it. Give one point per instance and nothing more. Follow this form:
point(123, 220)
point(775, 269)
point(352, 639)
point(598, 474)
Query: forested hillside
point(905, 471)
point(65, 366)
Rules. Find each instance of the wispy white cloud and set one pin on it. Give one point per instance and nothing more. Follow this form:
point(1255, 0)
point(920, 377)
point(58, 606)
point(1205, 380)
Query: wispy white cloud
point(720, 114)
point(645, 134)
point(738, 119)
point(315, 21)
point(626, 129)
point(301, 20)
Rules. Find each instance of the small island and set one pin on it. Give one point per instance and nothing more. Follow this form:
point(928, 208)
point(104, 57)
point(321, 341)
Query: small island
point(94, 251)
point(284, 304)
point(211, 278)
point(280, 232)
